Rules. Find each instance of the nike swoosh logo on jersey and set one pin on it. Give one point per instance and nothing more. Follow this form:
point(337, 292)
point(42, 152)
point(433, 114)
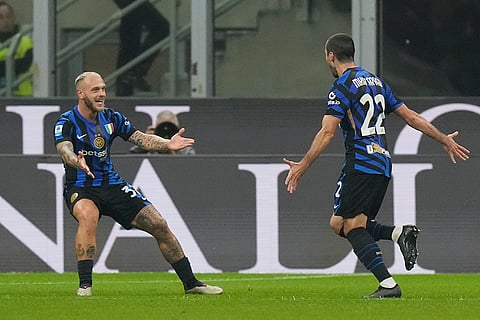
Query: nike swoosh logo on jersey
point(82, 136)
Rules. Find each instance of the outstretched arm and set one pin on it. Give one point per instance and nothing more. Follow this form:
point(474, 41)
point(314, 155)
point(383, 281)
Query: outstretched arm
point(416, 121)
point(65, 149)
point(322, 139)
point(152, 142)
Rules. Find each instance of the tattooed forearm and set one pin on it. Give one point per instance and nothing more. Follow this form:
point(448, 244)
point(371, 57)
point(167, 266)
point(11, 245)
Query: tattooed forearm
point(65, 149)
point(149, 142)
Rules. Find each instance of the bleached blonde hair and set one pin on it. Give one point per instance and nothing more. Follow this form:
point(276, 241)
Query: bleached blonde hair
point(85, 74)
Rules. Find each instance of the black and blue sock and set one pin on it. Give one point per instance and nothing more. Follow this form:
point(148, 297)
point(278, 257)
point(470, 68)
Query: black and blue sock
point(379, 231)
point(368, 252)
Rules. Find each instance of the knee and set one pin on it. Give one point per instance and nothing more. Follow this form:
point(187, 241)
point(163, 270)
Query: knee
point(87, 214)
point(150, 220)
point(336, 224)
point(161, 226)
point(162, 233)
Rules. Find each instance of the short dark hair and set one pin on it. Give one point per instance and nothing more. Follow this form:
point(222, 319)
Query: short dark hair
point(341, 44)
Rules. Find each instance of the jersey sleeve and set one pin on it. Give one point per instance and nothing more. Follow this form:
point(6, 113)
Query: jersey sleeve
point(62, 130)
point(124, 128)
point(391, 101)
point(337, 102)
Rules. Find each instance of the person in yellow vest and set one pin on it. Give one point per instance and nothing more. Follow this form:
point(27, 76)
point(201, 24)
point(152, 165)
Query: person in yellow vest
point(23, 55)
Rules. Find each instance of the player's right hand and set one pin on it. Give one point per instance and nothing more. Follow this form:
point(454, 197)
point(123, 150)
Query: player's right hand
point(294, 174)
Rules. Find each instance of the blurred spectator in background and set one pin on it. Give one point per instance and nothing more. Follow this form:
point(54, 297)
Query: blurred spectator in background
point(132, 44)
point(23, 56)
point(166, 126)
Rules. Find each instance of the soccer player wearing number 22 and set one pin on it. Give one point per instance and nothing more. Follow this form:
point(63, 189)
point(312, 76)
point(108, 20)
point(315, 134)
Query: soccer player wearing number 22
point(358, 102)
point(83, 137)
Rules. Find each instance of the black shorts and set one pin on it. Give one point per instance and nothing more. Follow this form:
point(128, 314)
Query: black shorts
point(122, 202)
point(358, 193)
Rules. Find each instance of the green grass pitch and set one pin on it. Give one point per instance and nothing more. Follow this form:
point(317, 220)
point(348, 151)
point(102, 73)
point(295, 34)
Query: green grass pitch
point(247, 296)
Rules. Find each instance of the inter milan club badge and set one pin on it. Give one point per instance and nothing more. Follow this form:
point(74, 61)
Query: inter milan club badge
point(99, 142)
point(73, 197)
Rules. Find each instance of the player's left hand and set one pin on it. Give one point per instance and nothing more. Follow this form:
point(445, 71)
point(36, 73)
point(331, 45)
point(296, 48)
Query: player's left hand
point(178, 142)
point(82, 164)
point(456, 150)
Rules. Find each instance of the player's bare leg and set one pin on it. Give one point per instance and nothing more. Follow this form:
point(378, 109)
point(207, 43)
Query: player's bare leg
point(336, 223)
point(151, 221)
point(87, 215)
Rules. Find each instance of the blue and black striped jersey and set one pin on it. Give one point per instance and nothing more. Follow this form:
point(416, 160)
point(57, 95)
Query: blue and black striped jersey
point(362, 100)
point(94, 140)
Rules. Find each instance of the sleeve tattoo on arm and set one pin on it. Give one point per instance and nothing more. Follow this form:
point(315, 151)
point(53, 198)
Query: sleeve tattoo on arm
point(65, 149)
point(148, 142)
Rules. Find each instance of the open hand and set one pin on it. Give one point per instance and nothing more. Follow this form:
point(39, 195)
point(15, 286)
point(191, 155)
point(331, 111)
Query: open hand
point(456, 150)
point(178, 142)
point(294, 174)
point(82, 165)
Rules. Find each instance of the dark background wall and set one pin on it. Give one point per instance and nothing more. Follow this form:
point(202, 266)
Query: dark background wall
point(240, 126)
point(219, 201)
